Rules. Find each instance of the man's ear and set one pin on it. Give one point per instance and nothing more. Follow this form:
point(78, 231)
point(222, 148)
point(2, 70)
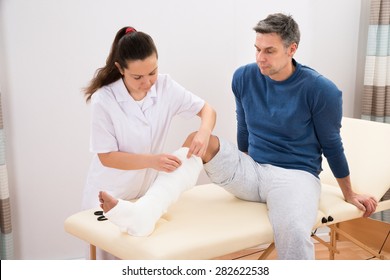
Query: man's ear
point(120, 69)
point(293, 48)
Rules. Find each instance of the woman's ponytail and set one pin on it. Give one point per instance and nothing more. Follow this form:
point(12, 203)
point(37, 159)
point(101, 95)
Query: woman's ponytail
point(128, 45)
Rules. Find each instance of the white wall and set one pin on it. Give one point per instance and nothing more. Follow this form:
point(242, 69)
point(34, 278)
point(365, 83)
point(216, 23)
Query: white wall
point(49, 50)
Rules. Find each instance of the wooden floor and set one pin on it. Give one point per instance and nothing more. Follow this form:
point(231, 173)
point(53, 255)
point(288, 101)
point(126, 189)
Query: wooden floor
point(372, 234)
point(348, 251)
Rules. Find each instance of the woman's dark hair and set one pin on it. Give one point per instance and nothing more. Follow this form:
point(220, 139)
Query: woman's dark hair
point(128, 45)
point(281, 24)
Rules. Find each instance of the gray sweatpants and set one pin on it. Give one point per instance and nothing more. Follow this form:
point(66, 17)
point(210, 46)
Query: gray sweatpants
point(292, 196)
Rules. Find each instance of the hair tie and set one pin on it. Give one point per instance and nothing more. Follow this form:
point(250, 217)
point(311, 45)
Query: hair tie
point(130, 30)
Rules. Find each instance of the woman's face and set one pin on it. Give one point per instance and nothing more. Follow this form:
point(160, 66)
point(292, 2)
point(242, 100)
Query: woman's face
point(140, 75)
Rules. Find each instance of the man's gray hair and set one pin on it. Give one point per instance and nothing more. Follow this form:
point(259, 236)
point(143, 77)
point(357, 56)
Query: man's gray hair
point(281, 24)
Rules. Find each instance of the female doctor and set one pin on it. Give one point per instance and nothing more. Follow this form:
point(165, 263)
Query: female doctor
point(132, 107)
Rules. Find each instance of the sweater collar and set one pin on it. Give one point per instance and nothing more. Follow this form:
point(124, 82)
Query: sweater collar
point(297, 67)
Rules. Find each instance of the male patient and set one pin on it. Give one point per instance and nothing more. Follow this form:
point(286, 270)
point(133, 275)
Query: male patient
point(288, 115)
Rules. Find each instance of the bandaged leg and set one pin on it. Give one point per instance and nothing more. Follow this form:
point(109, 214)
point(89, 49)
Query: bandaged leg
point(139, 218)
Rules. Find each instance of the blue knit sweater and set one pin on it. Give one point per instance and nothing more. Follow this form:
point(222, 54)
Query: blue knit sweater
point(291, 123)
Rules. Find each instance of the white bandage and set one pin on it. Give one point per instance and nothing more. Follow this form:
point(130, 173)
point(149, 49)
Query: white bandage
point(139, 218)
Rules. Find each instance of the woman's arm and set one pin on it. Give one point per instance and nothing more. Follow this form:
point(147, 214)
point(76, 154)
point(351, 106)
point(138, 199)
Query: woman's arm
point(127, 161)
point(200, 142)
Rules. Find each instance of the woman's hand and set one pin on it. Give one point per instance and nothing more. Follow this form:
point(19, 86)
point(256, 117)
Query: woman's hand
point(165, 162)
point(199, 144)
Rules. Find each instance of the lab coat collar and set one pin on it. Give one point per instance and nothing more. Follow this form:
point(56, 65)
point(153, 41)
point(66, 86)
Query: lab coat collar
point(150, 98)
point(122, 95)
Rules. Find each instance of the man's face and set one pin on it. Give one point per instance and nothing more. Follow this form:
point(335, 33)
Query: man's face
point(272, 57)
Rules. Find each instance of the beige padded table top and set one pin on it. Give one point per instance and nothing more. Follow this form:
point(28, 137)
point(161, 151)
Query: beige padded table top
point(206, 222)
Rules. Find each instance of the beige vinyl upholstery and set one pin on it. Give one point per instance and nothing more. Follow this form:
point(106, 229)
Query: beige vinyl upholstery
point(207, 222)
point(367, 147)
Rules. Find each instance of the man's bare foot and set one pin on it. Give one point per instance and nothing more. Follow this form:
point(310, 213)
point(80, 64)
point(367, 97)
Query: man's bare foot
point(107, 202)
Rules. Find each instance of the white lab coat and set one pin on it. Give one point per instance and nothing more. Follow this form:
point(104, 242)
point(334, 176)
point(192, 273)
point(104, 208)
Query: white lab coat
point(118, 123)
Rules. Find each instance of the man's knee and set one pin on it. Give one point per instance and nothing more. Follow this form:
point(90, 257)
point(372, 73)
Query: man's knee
point(212, 148)
point(188, 141)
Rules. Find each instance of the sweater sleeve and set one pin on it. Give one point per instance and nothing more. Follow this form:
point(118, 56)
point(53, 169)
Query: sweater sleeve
point(327, 115)
point(242, 130)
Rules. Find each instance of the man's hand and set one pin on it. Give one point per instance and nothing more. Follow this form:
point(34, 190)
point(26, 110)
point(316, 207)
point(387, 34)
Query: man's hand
point(363, 202)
